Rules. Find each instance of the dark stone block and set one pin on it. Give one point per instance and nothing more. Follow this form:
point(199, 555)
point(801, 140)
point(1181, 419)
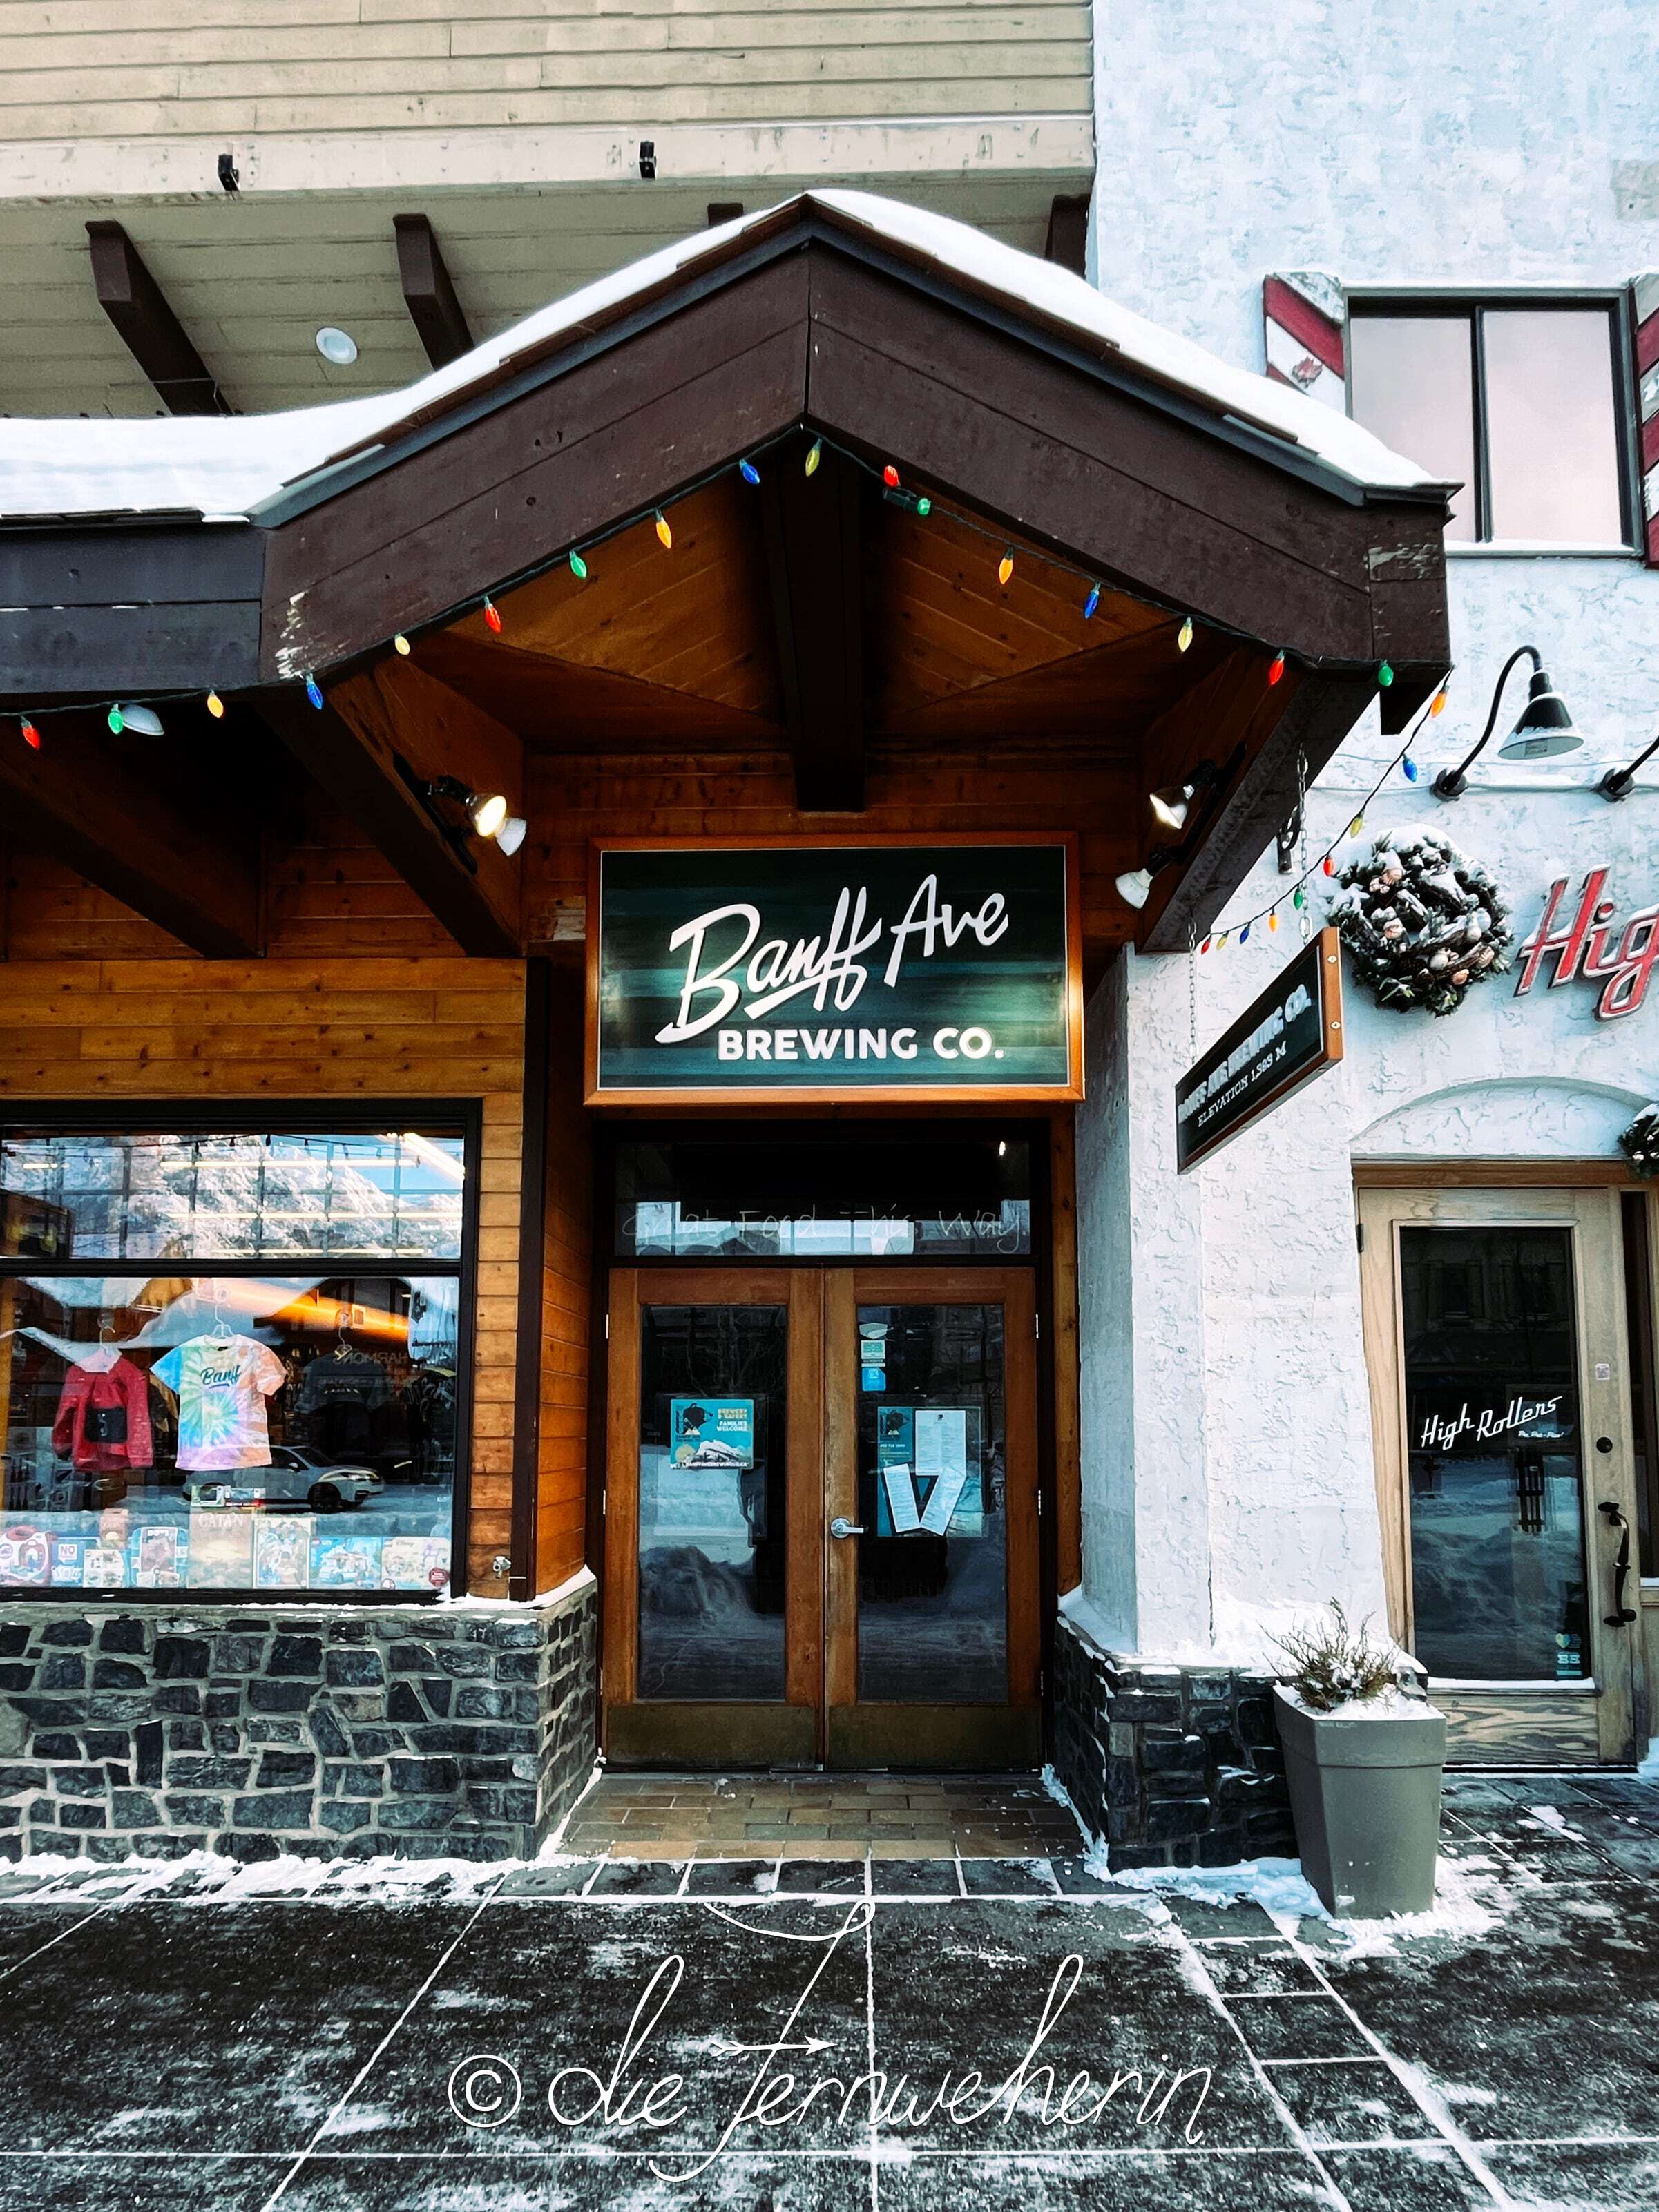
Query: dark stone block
point(17, 1678)
point(345, 1816)
point(1122, 1783)
point(209, 1773)
point(1177, 1759)
point(403, 1704)
point(82, 1816)
point(1123, 1856)
point(227, 1737)
point(108, 1743)
point(279, 1697)
point(1213, 1689)
point(79, 1781)
point(514, 1635)
point(197, 1812)
point(181, 1658)
point(224, 1703)
point(473, 1702)
point(413, 1776)
point(354, 1669)
point(1168, 1818)
point(237, 1654)
point(514, 1802)
point(377, 1742)
point(187, 1735)
point(14, 1639)
point(73, 1632)
point(417, 1813)
point(64, 1671)
point(283, 1809)
point(46, 1745)
point(327, 1733)
point(518, 1666)
point(135, 1808)
point(1222, 1846)
point(295, 1654)
point(464, 1659)
point(280, 1770)
point(437, 1690)
point(111, 1674)
point(124, 1636)
point(177, 1698)
point(147, 1751)
point(1255, 1722)
point(412, 1659)
point(363, 1781)
point(247, 1848)
point(1135, 1707)
point(15, 1778)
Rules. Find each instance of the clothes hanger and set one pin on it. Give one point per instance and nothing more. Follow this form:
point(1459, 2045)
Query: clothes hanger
point(221, 1332)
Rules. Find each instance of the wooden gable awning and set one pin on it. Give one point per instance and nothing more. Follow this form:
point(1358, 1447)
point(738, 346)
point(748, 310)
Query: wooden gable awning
point(816, 618)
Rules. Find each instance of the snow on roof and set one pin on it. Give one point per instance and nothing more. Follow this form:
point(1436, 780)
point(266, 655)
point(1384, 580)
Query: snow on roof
point(224, 466)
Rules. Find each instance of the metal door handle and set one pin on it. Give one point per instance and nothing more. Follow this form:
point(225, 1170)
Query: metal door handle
point(841, 1526)
point(1621, 1616)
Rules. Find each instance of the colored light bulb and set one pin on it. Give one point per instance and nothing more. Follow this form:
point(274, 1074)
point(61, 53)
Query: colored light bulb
point(31, 736)
point(1244, 933)
point(116, 719)
point(1438, 704)
point(665, 535)
point(577, 566)
point(492, 616)
point(814, 455)
point(314, 691)
point(1092, 603)
point(1385, 675)
point(1328, 865)
point(890, 477)
point(924, 506)
point(1276, 668)
point(1356, 825)
point(1205, 946)
point(1273, 919)
point(1184, 635)
point(749, 472)
point(216, 705)
point(400, 644)
point(1408, 768)
point(1298, 899)
point(1005, 566)
point(1221, 941)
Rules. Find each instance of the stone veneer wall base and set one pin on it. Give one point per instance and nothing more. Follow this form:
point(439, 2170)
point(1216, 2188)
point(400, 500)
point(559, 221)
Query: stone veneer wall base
point(434, 1731)
point(1170, 1765)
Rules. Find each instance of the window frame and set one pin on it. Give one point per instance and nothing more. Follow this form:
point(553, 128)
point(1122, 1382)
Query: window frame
point(1426, 302)
point(278, 1116)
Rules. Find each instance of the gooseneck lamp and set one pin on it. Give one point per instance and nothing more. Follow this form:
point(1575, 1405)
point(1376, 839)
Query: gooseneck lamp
point(1545, 727)
point(1616, 783)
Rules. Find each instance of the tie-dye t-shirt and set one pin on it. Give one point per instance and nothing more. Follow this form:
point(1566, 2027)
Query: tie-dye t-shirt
point(221, 1389)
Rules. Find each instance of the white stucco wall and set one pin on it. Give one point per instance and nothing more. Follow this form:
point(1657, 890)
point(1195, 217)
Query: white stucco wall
point(1438, 141)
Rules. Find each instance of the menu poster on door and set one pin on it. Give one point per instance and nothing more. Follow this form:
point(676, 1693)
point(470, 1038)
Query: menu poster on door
point(711, 1433)
point(839, 968)
point(923, 1458)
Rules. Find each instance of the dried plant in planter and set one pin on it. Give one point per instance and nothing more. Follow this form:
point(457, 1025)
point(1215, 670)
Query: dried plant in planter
point(1334, 1663)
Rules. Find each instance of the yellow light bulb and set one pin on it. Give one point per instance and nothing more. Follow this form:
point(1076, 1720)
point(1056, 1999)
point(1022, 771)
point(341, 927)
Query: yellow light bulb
point(1438, 705)
point(665, 535)
point(1184, 635)
point(216, 705)
point(400, 644)
point(1005, 566)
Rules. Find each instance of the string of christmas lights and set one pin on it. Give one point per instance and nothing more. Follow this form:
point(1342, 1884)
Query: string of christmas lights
point(1297, 895)
point(137, 713)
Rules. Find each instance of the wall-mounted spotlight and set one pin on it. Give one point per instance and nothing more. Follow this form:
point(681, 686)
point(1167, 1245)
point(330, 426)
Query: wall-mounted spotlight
point(230, 177)
point(647, 159)
point(1616, 783)
point(1135, 887)
point(1172, 804)
point(487, 811)
point(1545, 727)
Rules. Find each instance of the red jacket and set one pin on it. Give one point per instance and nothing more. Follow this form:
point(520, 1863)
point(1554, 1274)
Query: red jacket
point(103, 1420)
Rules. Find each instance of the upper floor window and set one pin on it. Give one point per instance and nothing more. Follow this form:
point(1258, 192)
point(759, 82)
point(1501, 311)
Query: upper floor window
point(1520, 401)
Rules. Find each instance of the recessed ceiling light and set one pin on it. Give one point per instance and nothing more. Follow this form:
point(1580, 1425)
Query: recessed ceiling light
point(337, 345)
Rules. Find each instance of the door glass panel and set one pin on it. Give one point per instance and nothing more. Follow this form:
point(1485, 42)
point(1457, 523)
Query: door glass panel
point(1495, 1453)
point(932, 1464)
point(712, 1435)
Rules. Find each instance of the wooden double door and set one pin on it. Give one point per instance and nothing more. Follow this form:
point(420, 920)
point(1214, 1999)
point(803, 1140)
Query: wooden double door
point(821, 1518)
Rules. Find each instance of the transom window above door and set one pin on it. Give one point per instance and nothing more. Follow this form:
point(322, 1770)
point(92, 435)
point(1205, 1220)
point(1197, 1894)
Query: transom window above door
point(1521, 400)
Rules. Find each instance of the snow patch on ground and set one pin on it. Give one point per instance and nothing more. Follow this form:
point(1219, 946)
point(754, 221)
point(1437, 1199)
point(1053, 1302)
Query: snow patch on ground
point(1061, 1796)
point(1552, 1818)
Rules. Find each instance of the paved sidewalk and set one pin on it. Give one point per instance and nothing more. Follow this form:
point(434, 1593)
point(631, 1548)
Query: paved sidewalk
point(801, 2035)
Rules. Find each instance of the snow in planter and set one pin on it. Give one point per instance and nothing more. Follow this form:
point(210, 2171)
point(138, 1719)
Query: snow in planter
point(1640, 1142)
point(1422, 924)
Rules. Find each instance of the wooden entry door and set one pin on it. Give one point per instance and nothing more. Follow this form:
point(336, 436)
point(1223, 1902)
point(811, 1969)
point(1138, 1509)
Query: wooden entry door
point(1500, 1396)
point(821, 1518)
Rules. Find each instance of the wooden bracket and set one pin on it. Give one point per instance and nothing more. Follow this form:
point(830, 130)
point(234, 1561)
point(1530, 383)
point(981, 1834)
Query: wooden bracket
point(814, 530)
point(428, 292)
point(148, 327)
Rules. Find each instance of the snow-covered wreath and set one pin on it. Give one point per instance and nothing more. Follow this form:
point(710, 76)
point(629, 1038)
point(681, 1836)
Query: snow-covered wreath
point(1640, 1142)
point(1421, 923)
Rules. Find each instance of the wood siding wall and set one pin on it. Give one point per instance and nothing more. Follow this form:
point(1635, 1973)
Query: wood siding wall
point(567, 1298)
point(345, 1027)
point(101, 69)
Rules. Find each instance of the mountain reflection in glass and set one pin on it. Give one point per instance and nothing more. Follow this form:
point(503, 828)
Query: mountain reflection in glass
point(713, 1433)
point(1494, 1453)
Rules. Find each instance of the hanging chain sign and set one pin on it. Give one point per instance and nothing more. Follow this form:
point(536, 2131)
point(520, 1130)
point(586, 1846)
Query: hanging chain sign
point(1280, 1041)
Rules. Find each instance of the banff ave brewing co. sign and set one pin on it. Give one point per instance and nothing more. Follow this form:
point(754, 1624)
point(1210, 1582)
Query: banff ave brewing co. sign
point(854, 968)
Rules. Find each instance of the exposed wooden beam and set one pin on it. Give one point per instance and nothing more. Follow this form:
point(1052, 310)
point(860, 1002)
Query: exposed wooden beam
point(813, 530)
point(428, 293)
point(1304, 713)
point(1067, 242)
point(148, 327)
point(352, 748)
point(81, 800)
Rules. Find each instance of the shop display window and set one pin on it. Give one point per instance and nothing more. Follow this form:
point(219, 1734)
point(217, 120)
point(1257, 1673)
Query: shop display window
point(179, 1415)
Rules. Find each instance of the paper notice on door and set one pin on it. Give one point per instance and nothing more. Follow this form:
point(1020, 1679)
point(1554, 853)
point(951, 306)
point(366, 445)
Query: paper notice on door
point(902, 1499)
point(941, 1501)
point(941, 1441)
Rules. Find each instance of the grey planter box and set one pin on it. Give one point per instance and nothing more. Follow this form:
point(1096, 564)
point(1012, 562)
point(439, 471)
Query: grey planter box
point(1366, 1798)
